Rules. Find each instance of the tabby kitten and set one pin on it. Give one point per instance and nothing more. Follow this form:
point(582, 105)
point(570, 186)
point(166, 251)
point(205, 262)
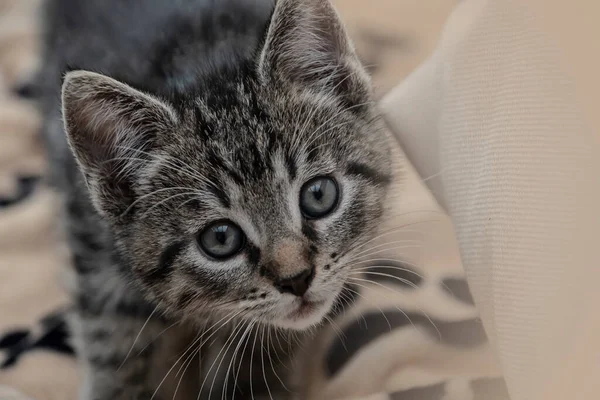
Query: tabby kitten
point(218, 168)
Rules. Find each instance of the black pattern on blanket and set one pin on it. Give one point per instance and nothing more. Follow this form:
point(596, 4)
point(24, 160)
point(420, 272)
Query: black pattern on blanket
point(51, 335)
point(408, 330)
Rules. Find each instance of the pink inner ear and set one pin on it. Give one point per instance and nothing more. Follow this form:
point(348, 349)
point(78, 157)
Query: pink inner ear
point(93, 132)
point(107, 120)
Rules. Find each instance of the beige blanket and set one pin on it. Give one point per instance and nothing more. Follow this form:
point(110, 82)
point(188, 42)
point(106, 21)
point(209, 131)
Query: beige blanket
point(508, 126)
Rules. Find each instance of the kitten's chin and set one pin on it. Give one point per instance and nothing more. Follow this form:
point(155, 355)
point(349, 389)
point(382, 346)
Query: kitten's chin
point(304, 315)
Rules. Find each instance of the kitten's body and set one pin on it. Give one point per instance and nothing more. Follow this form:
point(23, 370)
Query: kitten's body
point(240, 120)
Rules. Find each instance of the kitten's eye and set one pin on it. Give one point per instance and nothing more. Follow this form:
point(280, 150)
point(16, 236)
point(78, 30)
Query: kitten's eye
point(222, 239)
point(318, 197)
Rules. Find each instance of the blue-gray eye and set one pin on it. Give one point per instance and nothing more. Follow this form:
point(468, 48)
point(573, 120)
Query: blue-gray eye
point(319, 197)
point(222, 239)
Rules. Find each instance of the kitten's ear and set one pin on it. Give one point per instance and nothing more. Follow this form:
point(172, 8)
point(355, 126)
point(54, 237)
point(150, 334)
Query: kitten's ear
point(111, 129)
point(307, 44)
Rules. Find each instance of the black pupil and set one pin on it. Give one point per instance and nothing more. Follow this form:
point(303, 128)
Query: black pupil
point(317, 192)
point(221, 234)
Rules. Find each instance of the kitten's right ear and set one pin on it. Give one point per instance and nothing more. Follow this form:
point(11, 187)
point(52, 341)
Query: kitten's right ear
point(306, 44)
point(111, 129)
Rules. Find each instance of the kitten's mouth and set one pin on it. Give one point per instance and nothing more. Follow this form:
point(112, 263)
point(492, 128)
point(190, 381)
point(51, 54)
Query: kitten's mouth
point(304, 313)
point(305, 309)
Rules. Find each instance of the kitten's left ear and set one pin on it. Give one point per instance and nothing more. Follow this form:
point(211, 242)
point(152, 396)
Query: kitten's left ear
point(112, 129)
point(307, 44)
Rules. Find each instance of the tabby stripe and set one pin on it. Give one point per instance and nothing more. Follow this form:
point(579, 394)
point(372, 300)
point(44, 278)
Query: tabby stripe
point(292, 168)
point(310, 232)
point(220, 194)
point(217, 164)
point(365, 172)
point(253, 254)
point(257, 163)
point(393, 273)
point(167, 258)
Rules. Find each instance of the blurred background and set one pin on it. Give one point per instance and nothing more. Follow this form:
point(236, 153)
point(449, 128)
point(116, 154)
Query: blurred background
point(392, 38)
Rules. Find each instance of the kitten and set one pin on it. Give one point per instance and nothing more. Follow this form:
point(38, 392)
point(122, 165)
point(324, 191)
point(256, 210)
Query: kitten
point(218, 169)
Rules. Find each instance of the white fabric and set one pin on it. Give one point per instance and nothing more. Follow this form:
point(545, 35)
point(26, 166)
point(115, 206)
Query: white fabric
point(502, 123)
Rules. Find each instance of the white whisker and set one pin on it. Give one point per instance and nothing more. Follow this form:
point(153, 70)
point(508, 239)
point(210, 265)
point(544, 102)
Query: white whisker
point(340, 334)
point(401, 228)
point(166, 200)
point(225, 349)
point(251, 363)
point(262, 361)
point(151, 194)
point(374, 250)
point(230, 316)
point(157, 336)
point(235, 353)
point(246, 341)
point(386, 260)
point(271, 358)
point(137, 337)
point(418, 308)
point(371, 303)
point(403, 280)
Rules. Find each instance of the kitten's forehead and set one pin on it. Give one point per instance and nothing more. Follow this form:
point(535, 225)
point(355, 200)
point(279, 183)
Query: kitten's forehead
point(258, 130)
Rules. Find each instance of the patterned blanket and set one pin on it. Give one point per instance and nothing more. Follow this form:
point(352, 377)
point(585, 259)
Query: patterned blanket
point(410, 330)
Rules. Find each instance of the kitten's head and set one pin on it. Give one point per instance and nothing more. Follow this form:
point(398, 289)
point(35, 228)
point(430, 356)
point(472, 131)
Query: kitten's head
point(248, 198)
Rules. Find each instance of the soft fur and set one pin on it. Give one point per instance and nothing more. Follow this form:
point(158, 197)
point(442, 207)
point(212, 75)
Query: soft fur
point(199, 111)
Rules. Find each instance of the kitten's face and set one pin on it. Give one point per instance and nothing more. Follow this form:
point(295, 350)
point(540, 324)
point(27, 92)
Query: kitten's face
point(248, 199)
point(260, 214)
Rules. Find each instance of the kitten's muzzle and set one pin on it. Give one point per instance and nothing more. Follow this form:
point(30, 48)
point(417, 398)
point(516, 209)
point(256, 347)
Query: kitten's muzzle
point(297, 285)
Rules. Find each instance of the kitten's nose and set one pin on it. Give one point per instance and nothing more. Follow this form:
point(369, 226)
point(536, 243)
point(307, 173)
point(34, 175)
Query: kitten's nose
point(296, 285)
